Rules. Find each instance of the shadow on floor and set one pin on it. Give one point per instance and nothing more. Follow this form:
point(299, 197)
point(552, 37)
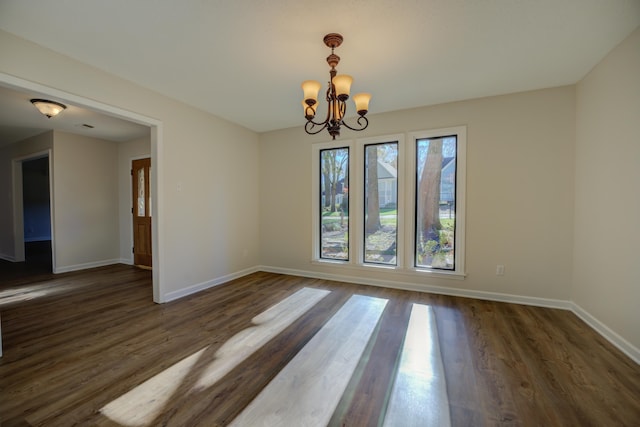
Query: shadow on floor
point(37, 263)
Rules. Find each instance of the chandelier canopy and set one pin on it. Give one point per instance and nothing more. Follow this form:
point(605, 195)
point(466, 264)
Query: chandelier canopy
point(337, 95)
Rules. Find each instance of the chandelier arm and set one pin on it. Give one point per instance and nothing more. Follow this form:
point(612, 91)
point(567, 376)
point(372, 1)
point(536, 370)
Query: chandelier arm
point(309, 129)
point(323, 123)
point(359, 121)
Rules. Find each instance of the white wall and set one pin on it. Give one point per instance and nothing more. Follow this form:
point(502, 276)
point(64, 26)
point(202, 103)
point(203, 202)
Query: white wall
point(208, 201)
point(127, 151)
point(20, 149)
point(85, 201)
point(606, 267)
point(520, 171)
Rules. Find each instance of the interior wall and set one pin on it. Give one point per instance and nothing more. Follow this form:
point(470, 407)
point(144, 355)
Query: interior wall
point(127, 151)
point(207, 205)
point(520, 170)
point(606, 271)
point(85, 188)
point(8, 153)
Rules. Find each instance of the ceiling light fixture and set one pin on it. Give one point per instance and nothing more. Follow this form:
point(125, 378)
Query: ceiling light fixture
point(48, 108)
point(337, 95)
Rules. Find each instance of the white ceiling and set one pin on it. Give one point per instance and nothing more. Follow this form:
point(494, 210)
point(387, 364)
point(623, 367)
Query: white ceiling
point(19, 119)
point(244, 60)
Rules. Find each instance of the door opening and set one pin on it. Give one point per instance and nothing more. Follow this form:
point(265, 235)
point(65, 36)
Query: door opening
point(36, 214)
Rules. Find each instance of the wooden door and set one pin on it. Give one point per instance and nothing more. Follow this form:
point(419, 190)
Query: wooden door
point(141, 212)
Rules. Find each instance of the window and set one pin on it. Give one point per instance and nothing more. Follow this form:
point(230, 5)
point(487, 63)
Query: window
point(404, 209)
point(334, 204)
point(381, 203)
point(435, 201)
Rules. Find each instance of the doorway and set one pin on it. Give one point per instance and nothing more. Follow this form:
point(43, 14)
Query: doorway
point(36, 214)
point(156, 127)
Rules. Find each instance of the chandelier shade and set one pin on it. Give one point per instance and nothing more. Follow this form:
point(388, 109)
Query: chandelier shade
point(48, 108)
point(338, 92)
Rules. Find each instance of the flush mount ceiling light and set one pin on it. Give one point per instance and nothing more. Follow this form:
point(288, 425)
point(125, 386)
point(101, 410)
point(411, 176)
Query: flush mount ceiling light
point(337, 95)
point(48, 108)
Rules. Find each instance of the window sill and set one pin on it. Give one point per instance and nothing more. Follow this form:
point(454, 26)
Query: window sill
point(392, 269)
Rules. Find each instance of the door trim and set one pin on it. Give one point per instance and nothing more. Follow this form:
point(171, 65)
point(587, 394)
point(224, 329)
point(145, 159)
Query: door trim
point(18, 206)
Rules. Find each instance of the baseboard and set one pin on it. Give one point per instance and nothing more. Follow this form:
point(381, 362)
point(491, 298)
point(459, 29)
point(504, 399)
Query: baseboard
point(127, 261)
point(76, 267)
point(170, 296)
point(8, 257)
point(465, 293)
point(622, 344)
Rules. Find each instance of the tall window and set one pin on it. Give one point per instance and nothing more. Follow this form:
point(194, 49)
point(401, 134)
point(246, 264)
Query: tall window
point(334, 203)
point(381, 203)
point(435, 203)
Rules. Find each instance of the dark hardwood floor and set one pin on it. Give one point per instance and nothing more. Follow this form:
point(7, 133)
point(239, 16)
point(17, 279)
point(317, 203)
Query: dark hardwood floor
point(76, 342)
point(37, 264)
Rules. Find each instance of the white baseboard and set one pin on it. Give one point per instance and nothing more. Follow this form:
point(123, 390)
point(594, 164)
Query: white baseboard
point(622, 344)
point(76, 267)
point(170, 296)
point(8, 257)
point(127, 261)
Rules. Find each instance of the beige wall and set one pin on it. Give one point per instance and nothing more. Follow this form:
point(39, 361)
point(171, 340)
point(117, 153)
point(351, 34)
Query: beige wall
point(208, 219)
point(127, 151)
point(520, 170)
point(85, 201)
point(606, 267)
point(18, 150)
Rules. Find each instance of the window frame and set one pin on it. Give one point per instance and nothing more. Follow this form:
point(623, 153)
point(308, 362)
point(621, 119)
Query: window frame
point(315, 205)
point(461, 167)
point(406, 227)
point(362, 143)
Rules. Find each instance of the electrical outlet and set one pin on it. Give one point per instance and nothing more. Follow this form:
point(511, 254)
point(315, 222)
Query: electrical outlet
point(500, 270)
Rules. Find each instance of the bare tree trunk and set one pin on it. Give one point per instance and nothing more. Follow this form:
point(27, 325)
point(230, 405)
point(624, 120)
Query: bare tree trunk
point(373, 201)
point(429, 192)
point(327, 187)
point(334, 186)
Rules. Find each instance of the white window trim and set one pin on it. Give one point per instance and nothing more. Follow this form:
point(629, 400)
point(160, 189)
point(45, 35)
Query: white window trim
point(315, 201)
point(359, 160)
point(461, 168)
point(406, 203)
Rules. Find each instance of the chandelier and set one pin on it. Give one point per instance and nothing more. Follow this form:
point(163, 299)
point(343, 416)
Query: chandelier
point(337, 95)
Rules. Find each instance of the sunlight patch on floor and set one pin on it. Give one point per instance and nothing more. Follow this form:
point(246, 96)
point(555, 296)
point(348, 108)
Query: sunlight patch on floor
point(419, 394)
point(267, 325)
point(27, 293)
point(307, 391)
point(141, 405)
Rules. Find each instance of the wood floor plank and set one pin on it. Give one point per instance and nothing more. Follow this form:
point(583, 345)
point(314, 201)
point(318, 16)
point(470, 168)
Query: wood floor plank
point(419, 394)
point(307, 390)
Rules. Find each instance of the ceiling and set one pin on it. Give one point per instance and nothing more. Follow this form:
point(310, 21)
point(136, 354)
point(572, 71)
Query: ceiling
point(244, 60)
point(19, 120)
